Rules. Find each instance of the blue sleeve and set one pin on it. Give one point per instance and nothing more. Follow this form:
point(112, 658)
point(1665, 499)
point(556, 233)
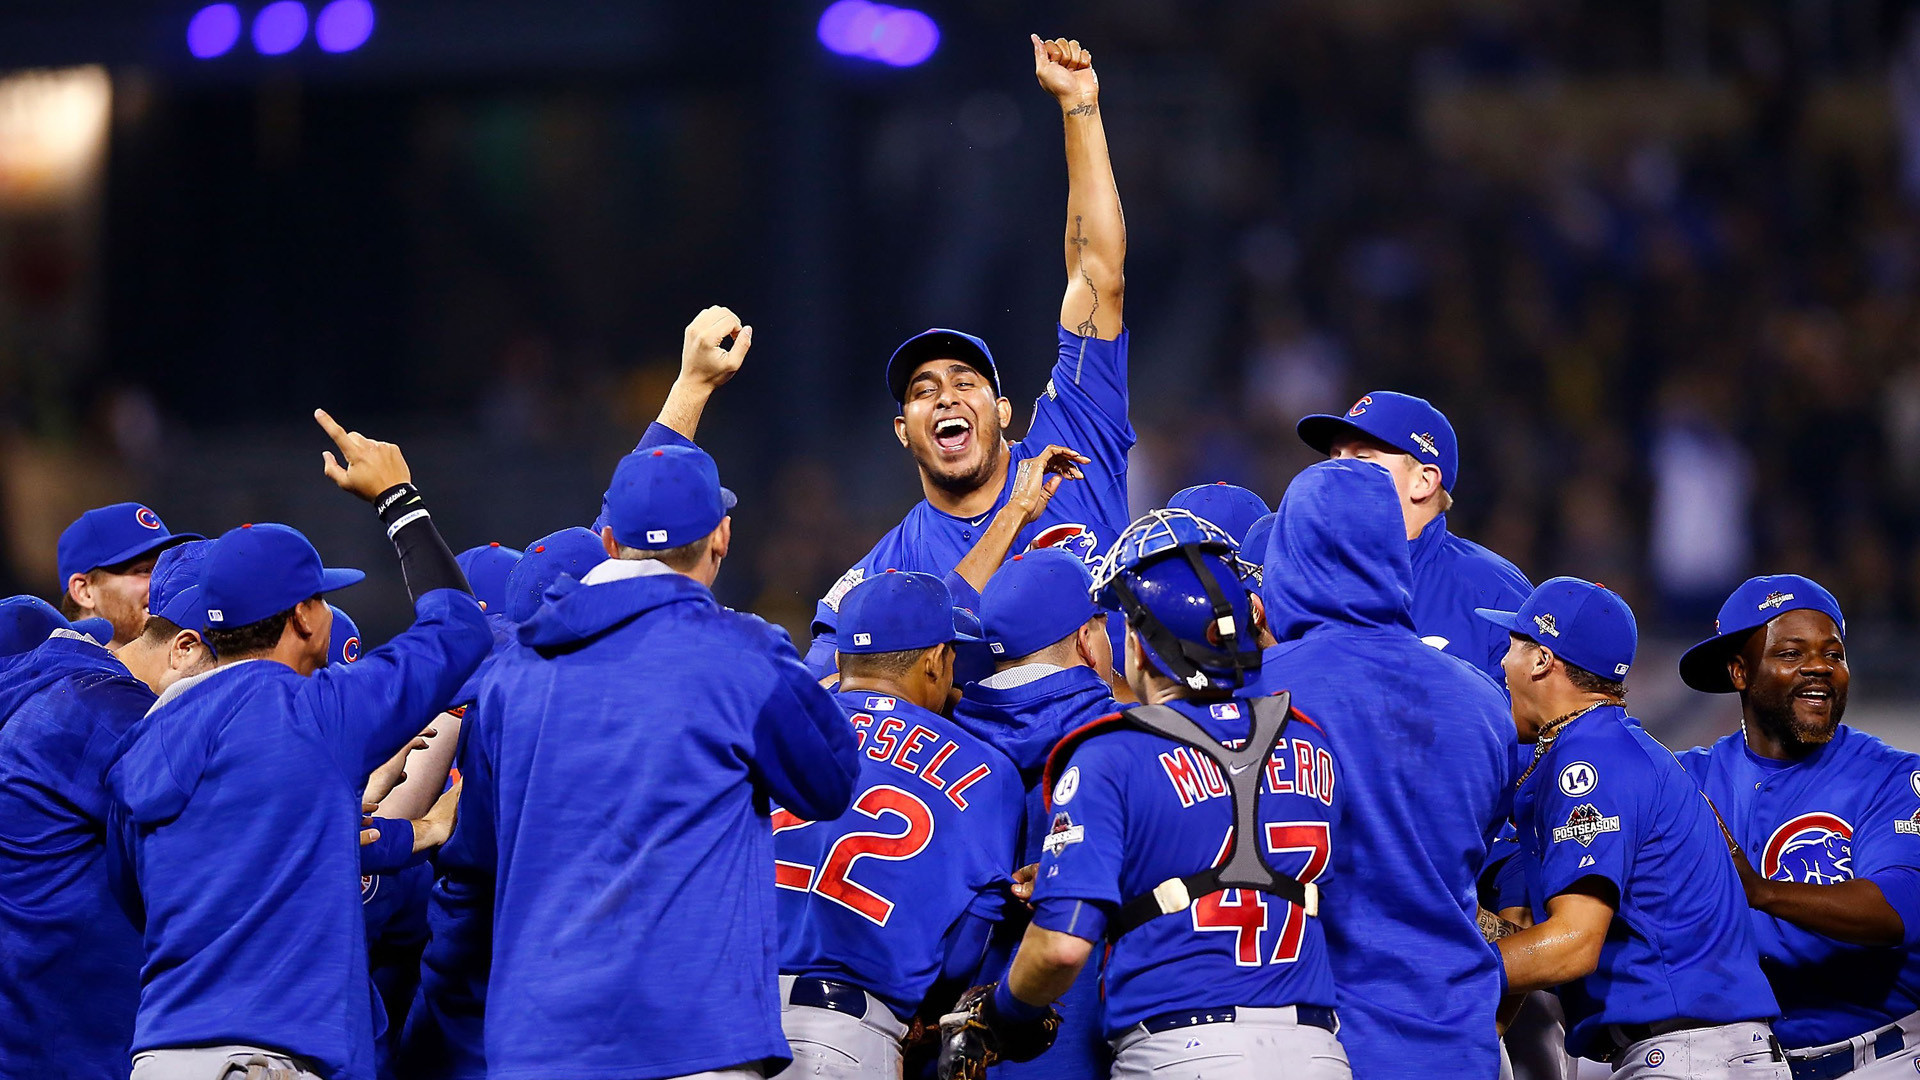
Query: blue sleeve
point(1510, 883)
point(1085, 846)
point(657, 434)
point(1886, 845)
point(393, 851)
point(1901, 886)
point(1085, 403)
point(805, 755)
point(366, 711)
point(1593, 834)
point(964, 949)
point(996, 848)
point(963, 593)
point(1084, 920)
point(471, 846)
point(122, 878)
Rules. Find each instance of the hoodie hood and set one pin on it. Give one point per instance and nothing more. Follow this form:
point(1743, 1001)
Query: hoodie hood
point(1025, 721)
point(504, 632)
point(1339, 554)
point(576, 613)
point(26, 674)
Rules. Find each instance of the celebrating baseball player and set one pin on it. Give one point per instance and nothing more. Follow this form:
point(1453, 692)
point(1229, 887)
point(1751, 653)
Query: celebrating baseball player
point(954, 418)
point(106, 557)
point(900, 893)
point(1825, 821)
point(1636, 917)
point(1192, 833)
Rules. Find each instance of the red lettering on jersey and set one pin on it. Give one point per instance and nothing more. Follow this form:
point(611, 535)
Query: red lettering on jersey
point(978, 774)
point(787, 875)
point(1277, 780)
point(1181, 774)
point(861, 723)
point(1211, 776)
point(1305, 780)
point(1323, 764)
point(885, 738)
point(931, 774)
point(912, 744)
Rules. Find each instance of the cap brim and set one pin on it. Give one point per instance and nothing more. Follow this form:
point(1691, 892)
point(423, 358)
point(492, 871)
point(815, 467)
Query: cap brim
point(100, 630)
point(1320, 431)
point(333, 578)
point(728, 499)
point(148, 547)
point(1704, 667)
point(1505, 620)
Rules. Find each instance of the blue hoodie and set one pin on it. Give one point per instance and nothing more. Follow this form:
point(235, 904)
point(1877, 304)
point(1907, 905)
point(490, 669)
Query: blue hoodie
point(1024, 722)
point(69, 959)
point(1427, 742)
point(641, 731)
point(236, 812)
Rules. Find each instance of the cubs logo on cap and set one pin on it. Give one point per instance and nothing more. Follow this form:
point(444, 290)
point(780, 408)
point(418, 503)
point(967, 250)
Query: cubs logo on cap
point(1406, 423)
point(110, 536)
point(1361, 405)
point(148, 519)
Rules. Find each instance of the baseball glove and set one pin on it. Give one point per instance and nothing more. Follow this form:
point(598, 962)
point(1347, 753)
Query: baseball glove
point(974, 1036)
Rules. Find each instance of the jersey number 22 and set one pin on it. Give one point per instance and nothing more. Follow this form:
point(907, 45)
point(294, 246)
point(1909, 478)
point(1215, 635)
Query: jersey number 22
point(832, 881)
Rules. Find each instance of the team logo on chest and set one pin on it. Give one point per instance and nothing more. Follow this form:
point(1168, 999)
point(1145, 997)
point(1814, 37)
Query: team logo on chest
point(1812, 849)
point(1069, 536)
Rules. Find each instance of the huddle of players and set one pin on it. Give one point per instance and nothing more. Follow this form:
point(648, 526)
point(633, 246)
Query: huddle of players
point(615, 902)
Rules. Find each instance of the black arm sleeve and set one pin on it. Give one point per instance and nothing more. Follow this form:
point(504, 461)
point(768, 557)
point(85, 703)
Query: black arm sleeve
point(425, 560)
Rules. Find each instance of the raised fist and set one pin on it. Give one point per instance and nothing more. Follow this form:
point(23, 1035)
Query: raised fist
point(703, 356)
point(1066, 71)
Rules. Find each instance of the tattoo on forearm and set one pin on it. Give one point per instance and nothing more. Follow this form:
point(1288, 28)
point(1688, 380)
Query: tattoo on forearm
point(1085, 108)
point(1493, 927)
point(1079, 241)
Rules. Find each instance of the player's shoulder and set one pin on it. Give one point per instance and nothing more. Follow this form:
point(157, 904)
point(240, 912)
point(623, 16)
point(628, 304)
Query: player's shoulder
point(1482, 568)
point(1866, 757)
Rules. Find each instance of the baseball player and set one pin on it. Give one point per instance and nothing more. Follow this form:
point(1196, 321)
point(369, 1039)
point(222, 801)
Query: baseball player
point(1233, 508)
point(1825, 819)
point(1452, 575)
point(105, 558)
point(487, 567)
point(444, 1037)
point(1192, 833)
point(257, 959)
point(1636, 916)
point(1051, 648)
point(69, 957)
point(27, 621)
point(1427, 742)
point(902, 891)
point(638, 731)
point(954, 419)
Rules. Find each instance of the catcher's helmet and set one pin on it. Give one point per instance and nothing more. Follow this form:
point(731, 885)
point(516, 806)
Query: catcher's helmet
point(1178, 579)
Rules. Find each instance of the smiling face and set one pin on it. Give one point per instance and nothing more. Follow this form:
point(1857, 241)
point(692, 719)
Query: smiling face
point(1792, 678)
point(953, 425)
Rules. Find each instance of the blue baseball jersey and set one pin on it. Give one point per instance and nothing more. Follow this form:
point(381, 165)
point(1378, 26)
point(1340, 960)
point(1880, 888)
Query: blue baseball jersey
point(1607, 801)
point(1132, 809)
point(69, 957)
point(1453, 575)
point(1851, 810)
point(868, 898)
point(639, 731)
point(266, 944)
point(1084, 407)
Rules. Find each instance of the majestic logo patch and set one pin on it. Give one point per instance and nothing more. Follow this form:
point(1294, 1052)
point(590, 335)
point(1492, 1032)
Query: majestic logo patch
point(862, 639)
point(350, 650)
point(147, 519)
point(1775, 599)
point(1068, 784)
point(1578, 779)
point(1424, 441)
point(1586, 825)
point(839, 591)
point(1812, 849)
point(881, 704)
point(1585, 861)
point(1225, 710)
point(1064, 832)
point(1069, 536)
point(1360, 406)
point(1546, 625)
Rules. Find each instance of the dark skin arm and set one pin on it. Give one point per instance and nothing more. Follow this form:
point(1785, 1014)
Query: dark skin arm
point(1855, 912)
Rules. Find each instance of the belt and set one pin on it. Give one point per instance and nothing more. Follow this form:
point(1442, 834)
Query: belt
point(1308, 1015)
point(826, 994)
point(1840, 1062)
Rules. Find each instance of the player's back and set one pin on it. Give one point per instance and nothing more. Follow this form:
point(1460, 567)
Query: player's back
point(1131, 810)
point(1451, 577)
point(867, 898)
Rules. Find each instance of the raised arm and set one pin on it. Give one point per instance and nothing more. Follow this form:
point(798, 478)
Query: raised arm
point(1096, 235)
point(706, 363)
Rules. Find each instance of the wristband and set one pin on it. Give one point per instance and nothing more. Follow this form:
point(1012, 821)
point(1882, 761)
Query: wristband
point(394, 502)
point(1012, 1009)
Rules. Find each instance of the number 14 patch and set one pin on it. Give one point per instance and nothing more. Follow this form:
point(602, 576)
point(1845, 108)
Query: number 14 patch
point(1586, 824)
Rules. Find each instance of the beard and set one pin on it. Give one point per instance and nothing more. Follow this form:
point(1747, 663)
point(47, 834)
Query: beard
point(966, 480)
point(1778, 717)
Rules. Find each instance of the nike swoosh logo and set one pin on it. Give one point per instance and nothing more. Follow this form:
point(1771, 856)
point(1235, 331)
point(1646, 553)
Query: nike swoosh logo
point(1238, 769)
point(976, 521)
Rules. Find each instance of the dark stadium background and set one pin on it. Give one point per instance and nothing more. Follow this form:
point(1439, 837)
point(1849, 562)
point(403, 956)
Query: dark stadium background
point(1656, 258)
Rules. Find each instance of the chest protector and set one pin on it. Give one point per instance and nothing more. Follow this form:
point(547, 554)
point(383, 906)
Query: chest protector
point(1243, 768)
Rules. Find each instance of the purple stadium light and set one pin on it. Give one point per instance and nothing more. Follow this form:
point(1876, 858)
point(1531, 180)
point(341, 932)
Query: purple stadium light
point(343, 25)
point(901, 37)
point(280, 27)
point(213, 31)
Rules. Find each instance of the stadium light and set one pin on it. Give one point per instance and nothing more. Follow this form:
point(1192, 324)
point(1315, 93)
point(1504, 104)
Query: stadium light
point(900, 37)
point(343, 25)
point(280, 27)
point(213, 31)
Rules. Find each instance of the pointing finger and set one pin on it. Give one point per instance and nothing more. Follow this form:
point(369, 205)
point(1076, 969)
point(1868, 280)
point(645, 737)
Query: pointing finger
point(327, 424)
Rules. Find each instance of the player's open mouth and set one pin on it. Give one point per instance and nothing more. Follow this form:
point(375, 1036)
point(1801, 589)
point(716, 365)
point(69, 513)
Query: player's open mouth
point(1819, 695)
point(953, 435)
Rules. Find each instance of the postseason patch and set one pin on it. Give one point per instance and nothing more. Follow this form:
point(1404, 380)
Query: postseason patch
point(1064, 832)
point(840, 588)
point(1908, 827)
point(1585, 824)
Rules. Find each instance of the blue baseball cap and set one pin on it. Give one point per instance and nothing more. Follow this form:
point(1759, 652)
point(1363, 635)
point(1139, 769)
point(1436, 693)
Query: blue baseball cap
point(174, 593)
point(972, 661)
point(939, 344)
point(1034, 600)
point(1586, 625)
point(567, 553)
point(259, 570)
point(666, 497)
point(897, 611)
point(1409, 424)
point(487, 567)
point(111, 535)
point(27, 621)
point(1259, 535)
point(1757, 602)
point(343, 647)
point(1229, 506)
